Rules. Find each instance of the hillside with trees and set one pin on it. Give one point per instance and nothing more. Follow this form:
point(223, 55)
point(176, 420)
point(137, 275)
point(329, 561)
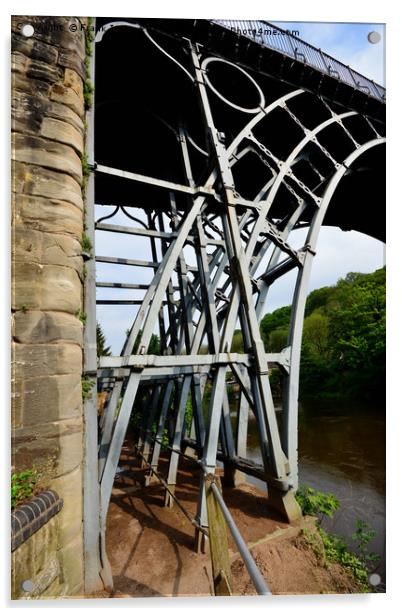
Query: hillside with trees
point(343, 348)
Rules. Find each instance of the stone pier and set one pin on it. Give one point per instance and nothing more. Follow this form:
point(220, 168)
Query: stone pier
point(48, 137)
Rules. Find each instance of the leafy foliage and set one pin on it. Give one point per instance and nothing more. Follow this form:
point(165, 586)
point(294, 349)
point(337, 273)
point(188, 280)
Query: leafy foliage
point(86, 243)
point(88, 93)
point(332, 547)
point(343, 347)
point(81, 316)
point(22, 486)
point(363, 536)
point(316, 503)
point(279, 319)
point(336, 551)
point(86, 387)
point(319, 298)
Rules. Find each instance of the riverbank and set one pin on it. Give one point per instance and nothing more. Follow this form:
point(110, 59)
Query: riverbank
point(151, 552)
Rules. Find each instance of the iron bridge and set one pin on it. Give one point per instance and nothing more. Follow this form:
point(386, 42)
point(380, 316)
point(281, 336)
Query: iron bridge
point(218, 146)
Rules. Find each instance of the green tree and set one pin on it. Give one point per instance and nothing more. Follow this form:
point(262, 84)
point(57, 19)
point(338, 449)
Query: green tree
point(358, 332)
point(237, 342)
point(154, 346)
point(343, 347)
point(319, 298)
point(277, 340)
point(315, 334)
point(101, 348)
point(279, 319)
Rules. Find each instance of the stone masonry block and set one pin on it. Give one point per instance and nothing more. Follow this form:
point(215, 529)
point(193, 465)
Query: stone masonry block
point(70, 60)
point(28, 110)
point(38, 181)
point(54, 448)
point(35, 360)
point(30, 559)
point(35, 69)
point(31, 246)
point(30, 86)
point(69, 488)
point(55, 288)
point(33, 48)
point(48, 215)
point(62, 132)
point(46, 153)
point(74, 81)
point(72, 565)
point(60, 395)
point(54, 30)
point(17, 403)
point(35, 326)
point(62, 94)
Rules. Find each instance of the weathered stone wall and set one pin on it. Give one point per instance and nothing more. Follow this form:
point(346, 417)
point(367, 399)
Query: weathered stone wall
point(37, 560)
point(48, 126)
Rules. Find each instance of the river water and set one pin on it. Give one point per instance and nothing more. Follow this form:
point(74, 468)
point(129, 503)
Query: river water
point(342, 450)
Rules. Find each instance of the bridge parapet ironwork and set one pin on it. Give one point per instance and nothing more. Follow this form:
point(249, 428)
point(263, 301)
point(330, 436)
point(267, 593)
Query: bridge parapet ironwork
point(277, 38)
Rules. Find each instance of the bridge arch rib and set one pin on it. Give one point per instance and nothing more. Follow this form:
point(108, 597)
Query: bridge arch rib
point(217, 201)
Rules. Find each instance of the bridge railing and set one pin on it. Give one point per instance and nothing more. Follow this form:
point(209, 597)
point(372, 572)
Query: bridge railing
point(287, 43)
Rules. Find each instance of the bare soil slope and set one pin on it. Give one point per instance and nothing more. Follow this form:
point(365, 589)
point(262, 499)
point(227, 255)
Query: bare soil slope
point(151, 547)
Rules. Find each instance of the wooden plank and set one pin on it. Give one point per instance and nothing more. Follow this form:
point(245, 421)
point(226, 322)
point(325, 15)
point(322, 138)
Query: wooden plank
point(218, 541)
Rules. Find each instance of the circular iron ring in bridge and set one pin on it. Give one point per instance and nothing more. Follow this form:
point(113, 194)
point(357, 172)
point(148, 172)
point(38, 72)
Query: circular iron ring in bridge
point(225, 100)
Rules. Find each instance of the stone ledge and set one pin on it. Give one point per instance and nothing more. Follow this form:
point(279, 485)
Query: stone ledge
point(28, 518)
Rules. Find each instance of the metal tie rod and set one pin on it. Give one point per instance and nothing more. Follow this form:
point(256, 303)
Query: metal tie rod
point(176, 500)
point(255, 574)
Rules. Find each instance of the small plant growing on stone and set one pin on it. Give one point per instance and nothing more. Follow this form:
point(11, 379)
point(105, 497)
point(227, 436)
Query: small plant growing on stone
point(86, 386)
point(24, 308)
point(88, 87)
point(86, 169)
point(22, 486)
point(88, 94)
point(89, 37)
point(81, 316)
point(86, 243)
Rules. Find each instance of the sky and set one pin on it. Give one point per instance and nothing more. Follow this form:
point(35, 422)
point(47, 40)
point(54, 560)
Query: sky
point(338, 252)
point(348, 43)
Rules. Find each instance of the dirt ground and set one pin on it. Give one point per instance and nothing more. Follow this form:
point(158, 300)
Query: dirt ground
point(151, 547)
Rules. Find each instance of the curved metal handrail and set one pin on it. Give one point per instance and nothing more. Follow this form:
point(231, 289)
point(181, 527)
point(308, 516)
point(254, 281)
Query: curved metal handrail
point(274, 37)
